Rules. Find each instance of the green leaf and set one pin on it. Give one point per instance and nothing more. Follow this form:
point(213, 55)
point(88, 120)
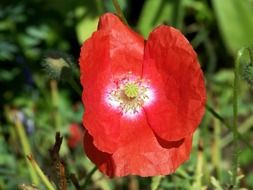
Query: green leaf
point(8, 75)
point(7, 50)
point(156, 180)
point(153, 13)
point(235, 20)
point(158, 12)
point(86, 26)
point(216, 183)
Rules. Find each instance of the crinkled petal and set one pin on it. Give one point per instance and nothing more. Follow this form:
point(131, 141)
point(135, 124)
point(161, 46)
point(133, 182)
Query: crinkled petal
point(112, 51)
point(173, 69)
point(139, 151)
point(126, 46)
point(95, 75)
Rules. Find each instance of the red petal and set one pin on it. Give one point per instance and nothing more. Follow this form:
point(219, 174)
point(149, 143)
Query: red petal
point(111, 51)
point(139, 152)
point(94, 78)
point(171, 65)
point(126, 46)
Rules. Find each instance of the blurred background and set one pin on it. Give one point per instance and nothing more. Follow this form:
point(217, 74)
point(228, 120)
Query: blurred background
point(34, 106)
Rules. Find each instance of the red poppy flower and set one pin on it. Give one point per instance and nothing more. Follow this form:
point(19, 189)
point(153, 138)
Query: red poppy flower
point(75, 135)
point(143, 99)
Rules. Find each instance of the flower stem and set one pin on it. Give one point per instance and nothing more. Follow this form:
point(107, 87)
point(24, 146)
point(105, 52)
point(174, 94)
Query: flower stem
point(43, 177)
point(87, 180)
point(235, 116)
point(55, 103)
point(119, 11)
point(75, 86)
point(216, 154)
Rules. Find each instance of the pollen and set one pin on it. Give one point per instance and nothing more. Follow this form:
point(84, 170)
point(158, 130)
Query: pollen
point(129, 95)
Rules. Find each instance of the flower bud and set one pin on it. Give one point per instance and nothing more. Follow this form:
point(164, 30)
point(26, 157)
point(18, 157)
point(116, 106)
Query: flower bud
point(247, 67)
point(58, 66)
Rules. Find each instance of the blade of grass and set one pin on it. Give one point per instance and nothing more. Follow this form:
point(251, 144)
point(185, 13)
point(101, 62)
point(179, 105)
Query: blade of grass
point(40, 173)
point(119, 11)
point(199, 168)
point(244, 127)
point(226, 124)
point(25, 148)
point(156, 181)
point(216, 152)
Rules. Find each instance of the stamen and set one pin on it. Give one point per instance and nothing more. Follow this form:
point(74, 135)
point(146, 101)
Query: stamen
point(129, 94)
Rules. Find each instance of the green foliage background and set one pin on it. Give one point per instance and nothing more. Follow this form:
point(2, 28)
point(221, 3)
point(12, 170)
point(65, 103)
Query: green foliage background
point(217, 29)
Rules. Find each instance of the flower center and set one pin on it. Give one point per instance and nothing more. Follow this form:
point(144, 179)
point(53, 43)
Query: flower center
point(131, 90)
point(129, 95)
